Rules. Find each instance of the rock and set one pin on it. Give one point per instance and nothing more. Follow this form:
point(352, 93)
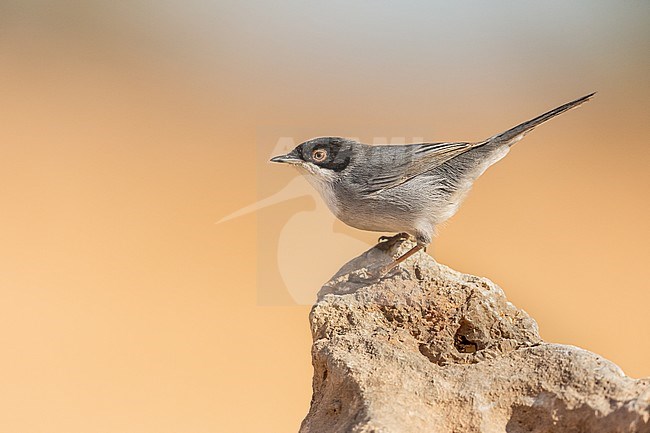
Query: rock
point(428, 349)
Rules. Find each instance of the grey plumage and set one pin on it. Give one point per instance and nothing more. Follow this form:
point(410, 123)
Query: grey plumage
point(403, 188)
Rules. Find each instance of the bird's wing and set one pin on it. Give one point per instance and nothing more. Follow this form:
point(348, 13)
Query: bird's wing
point(396, 165)
point(411, 161)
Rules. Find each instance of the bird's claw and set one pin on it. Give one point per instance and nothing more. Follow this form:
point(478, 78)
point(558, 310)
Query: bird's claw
point(386, 243)
point(397, 237)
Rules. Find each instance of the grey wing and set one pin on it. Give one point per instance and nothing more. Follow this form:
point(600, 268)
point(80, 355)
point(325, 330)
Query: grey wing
point(407, 162)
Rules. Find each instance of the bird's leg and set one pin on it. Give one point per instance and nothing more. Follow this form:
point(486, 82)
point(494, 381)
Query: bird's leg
point(384, 270)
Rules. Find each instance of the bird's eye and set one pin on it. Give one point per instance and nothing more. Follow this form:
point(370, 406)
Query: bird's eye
point(319, 155)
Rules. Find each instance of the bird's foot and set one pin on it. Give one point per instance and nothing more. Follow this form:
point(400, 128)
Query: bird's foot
point(388, 241)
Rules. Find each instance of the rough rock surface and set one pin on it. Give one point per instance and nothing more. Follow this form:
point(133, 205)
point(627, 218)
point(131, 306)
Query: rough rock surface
point(428, 349)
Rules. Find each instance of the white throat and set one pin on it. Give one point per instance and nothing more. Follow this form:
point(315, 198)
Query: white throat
point(322, 180)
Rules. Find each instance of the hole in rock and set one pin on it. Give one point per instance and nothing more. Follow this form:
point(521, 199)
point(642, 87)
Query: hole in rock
point(464, 340)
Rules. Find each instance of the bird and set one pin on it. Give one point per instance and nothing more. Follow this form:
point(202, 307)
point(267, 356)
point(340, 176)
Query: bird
point(407, 189)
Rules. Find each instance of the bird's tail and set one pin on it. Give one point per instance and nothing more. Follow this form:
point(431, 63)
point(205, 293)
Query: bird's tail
point(513, 135)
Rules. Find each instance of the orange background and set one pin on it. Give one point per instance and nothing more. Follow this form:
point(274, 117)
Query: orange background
point(126, 132)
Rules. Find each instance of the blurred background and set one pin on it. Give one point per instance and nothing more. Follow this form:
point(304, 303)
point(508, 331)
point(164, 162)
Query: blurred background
point(128, 129)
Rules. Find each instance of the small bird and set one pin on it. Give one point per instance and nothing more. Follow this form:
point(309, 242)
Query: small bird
point(408, 189)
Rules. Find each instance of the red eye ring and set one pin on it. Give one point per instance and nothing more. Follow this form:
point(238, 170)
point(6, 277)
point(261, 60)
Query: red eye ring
point(319, 155)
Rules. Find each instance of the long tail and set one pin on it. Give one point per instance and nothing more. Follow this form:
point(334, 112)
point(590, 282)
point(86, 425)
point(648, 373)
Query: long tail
point(513, 135)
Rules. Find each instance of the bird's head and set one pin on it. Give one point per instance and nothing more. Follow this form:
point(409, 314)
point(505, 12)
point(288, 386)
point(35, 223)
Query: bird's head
point(326, 158)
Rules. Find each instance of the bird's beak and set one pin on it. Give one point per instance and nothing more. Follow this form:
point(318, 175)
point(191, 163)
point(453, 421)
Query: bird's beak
point(289, 158)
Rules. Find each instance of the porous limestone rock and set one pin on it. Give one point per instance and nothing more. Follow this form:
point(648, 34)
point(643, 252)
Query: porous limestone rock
point(428, 349)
